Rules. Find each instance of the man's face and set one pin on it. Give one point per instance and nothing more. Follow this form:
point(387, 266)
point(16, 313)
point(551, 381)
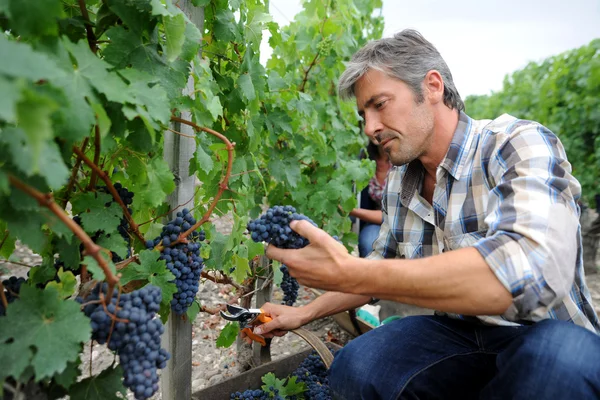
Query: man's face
point(392, 117)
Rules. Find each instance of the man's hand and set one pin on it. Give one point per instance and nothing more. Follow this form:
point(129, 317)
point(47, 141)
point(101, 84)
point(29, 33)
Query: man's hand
point(285, 319)
point(323, 264)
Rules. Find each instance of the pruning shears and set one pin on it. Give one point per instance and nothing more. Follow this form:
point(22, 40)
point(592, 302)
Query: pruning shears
point(247, 318)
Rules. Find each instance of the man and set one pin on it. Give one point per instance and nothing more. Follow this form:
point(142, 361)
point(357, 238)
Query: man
point(480, 223)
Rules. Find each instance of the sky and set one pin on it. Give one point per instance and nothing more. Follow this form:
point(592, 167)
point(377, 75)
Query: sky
point(484, 40)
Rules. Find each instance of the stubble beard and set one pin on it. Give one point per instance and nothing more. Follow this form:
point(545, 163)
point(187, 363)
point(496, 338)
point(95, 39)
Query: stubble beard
point(408, 150)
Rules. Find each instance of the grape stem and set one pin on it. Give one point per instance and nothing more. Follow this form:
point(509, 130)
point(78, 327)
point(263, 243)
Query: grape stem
point(224, 279)
point(91, 248)
point(74, 175)
point(4, 238)
point(222, 185)
point(2, 296)
point(91, 37)
point(313, 62)
point(94, 177)
point(111, 188)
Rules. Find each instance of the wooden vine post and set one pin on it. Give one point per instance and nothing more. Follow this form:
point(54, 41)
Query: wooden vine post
point(176, 378)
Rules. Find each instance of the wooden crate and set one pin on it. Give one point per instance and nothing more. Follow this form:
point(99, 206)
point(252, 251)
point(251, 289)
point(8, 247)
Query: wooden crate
point(252, 379)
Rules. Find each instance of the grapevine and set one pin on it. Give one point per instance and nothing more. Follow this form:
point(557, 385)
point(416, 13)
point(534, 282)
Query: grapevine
point(93, 91)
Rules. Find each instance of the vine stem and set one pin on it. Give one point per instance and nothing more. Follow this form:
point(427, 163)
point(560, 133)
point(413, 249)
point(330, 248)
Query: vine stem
point(314, 60)
point(221, 279)
point(91, 248)
point(3, 296)
point(113, 192)
point(222, 184)
point(94, 177)
point(74, 174)
point(6, 233)
point(91, 37)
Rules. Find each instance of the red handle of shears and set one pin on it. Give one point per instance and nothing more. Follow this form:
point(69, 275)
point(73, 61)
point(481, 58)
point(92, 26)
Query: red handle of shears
point(262, 318)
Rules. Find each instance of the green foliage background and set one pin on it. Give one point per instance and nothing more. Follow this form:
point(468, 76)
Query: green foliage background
point(562, 93)
point(106, 78)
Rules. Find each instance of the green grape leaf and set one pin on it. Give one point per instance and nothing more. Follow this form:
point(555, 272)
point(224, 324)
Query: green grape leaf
point(247, 87)
point(154, 271)
point(89, 201)
point(293, 387)
point(95, 269)
point(228, 334)
point(43, 331)
point(51, 166)
point(277, 274)
point(254, 27)
point(270, 380)
point(203, 160)
point(35, 17)
point(66, 286)
point(102, 219)
point(97, 74)
point(69, 252)
point(174, 32)
point(242, 269)
point(7, 241)
point(101, 387)
point(218, 249)
point(160, 182)
point(34, 113)
point(19, 60)
point(224, 25)
point(69, 376)
point(11, 95)
point(276, 82)
point(193, 311)
point(115, 243)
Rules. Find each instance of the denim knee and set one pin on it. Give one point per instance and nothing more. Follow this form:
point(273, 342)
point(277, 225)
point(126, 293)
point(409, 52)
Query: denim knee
point(553, 358)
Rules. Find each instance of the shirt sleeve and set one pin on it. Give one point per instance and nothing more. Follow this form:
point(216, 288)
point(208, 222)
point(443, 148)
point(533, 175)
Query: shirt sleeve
point(534, 234)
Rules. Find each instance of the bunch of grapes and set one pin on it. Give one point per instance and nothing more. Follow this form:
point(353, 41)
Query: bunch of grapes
point(249, 394)
point(183, 259)
point(12, 286)
point(274, 227)
point(289, 286)
point(258, 394)
point(134, 334)
point(313, 373)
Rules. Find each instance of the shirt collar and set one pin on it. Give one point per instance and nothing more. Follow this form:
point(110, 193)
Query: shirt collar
point(455, 158)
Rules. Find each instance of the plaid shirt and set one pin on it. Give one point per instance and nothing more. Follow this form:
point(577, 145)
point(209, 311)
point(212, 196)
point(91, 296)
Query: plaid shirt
point(504, 188)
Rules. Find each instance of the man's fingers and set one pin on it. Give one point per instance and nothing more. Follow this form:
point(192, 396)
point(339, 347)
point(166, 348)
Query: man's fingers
point(274, 253)
point(307, 230)
point(266, 327)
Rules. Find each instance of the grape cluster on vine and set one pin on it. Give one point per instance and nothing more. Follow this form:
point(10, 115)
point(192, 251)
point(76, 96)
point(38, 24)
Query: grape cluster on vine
point(128, 326)
point(12, 287)
point(274, 227)
point(183, 259)
point(290, 286)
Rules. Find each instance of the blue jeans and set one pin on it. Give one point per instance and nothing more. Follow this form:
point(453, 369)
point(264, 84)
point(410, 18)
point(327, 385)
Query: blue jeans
point(366, 237)
point(433, 357)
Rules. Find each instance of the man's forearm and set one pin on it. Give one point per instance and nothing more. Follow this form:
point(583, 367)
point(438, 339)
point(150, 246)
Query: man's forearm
point(372, 216)
point(458, 281)
point(332, 303)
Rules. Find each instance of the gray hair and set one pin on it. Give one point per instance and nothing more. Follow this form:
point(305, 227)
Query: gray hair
point(407, 56)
